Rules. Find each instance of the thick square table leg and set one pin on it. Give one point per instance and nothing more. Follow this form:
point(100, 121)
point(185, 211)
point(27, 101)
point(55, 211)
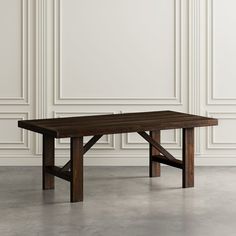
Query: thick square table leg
point(154, 167)
point(48, 160)
point(188, 157)
point(77, 151)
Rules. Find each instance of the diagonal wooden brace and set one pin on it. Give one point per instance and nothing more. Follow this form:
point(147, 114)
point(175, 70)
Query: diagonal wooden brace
point(155, 144)
point(91, 142)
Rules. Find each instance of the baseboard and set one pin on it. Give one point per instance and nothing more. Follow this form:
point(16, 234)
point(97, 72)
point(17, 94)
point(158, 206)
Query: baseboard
point(119, 161)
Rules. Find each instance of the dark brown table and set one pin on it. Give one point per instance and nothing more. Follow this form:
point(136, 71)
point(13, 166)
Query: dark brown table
point(76, 128)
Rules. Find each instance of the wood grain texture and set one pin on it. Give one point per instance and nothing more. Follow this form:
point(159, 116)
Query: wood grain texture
point(188, 158)
point(77, 127)
point(77, 151)
point(157, 145)
point(116, 123)
point(48, 161)
point(154, 167)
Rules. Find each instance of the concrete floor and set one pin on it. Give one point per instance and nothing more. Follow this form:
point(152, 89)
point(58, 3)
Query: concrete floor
point(119, 201)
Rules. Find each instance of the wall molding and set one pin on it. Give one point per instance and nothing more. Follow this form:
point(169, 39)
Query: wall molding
point(60, 100)
point(211, 140)
point(194, 56)
point(24, 142)
point(41, 67)
point(194, 64)
point(25, 58)
point(212, 99)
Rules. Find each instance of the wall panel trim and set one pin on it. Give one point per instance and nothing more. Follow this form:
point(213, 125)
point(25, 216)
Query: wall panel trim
point(25, 58)
point(179, 48)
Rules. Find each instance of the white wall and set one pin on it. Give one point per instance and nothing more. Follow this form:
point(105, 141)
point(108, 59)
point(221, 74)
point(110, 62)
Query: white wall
point(72, 57)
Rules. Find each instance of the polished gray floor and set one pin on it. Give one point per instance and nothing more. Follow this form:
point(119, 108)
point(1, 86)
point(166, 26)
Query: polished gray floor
point(120, 201)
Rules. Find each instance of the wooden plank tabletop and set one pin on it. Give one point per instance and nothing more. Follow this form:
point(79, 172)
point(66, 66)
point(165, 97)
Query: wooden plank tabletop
point(116, 123)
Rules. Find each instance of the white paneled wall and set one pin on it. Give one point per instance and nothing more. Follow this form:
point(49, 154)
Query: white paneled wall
point(17, 79)
point(73, 57)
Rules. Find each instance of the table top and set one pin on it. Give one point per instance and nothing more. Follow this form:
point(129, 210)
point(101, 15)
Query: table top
point(115, 123)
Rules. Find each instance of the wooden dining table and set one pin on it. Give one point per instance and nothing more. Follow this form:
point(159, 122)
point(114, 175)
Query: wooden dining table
point(147, 124)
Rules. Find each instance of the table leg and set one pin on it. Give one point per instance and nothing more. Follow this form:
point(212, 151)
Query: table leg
point(154, 167)
point(77, 151)
point(188, 157)
point(48, 161)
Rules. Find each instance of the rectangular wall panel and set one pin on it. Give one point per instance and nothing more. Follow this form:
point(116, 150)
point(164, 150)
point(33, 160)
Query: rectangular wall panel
point(10, 136)
point(135, 56)
point(221, 51)
point(14, 52)
point(223, 136)
point(217, 70)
